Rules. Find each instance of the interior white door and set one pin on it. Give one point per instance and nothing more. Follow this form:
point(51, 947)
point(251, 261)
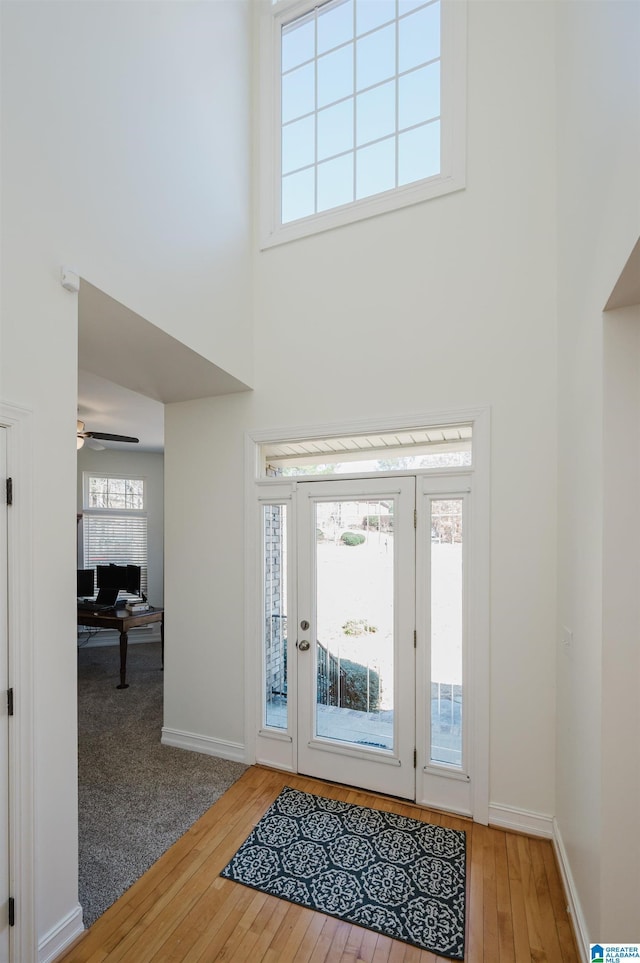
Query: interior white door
point(355, 633)
point(4, 717)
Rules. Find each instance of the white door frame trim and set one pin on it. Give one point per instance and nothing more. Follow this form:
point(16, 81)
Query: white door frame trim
point(17, 421)
point(480, 419)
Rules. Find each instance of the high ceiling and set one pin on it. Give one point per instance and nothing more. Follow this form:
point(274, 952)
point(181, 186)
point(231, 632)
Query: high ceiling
point(128, 369)
point(106, 406)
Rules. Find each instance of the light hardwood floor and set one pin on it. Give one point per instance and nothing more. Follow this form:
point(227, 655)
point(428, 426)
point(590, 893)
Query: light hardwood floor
point(181, 911)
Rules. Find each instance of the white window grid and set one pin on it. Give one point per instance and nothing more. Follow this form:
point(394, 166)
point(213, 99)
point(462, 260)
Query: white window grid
point(356, 92)
point(116, 532)
point(279, 14)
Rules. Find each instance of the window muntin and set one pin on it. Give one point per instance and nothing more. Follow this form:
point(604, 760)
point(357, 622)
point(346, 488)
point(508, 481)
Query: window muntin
point(363, 110)
point(108, 491)
point(370, 77)
point(114, 523)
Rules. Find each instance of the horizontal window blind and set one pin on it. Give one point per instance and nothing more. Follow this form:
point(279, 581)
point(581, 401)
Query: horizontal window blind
point(116, 538)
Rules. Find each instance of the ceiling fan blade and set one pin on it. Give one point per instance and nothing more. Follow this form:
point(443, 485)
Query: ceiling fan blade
point(105, 436)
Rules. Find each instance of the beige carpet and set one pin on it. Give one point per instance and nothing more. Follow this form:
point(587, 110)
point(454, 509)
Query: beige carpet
point(135, 796)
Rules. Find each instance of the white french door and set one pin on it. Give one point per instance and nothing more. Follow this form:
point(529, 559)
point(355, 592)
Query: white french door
point(375, 635)
point(355, 632)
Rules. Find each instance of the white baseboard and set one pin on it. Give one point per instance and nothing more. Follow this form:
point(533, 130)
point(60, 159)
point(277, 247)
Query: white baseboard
point(571, 892)
point(521, 820)
point(61, 936)
point(234, 751)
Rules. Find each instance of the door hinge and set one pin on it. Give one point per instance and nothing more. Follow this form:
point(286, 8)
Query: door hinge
point(415, 758)
point(9, 491)
point(12, 911)
point(415, 517)
point(415, 638)
point(10, 702)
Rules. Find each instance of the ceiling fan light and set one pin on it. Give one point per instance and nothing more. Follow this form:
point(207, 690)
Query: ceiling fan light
point(79, 442)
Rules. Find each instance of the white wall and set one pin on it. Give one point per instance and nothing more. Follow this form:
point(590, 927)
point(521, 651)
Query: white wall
point(126, 111)
point(136, 464)
point(448, 304)
point(125, 152)
point(621, 627)
point(598, 218)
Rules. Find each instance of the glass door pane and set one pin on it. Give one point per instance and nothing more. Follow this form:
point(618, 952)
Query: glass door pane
point(446, 631)
point(354, 605)
point(274, 529)
point(354, 645)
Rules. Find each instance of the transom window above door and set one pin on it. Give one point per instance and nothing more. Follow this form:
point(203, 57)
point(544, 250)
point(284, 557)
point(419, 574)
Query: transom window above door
point(407, 449)
point(366, 106)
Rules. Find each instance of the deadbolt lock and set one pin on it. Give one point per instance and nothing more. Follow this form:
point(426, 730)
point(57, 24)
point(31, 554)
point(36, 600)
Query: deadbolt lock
point(304, 645)
point(304, 625)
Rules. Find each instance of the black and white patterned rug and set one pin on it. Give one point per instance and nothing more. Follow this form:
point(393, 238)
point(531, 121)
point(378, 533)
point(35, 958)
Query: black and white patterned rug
point(398, 876)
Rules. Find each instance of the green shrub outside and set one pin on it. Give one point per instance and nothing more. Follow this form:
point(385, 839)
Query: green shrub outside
point(352, 538)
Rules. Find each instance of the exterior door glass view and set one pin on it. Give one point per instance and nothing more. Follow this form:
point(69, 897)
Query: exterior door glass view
point(355, 622)
point(446, 632)
point(274, 531)
point(365, 623)
point(355, 634)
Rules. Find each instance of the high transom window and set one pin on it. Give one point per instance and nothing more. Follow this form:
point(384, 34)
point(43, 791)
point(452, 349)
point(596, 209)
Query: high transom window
point(366, 108)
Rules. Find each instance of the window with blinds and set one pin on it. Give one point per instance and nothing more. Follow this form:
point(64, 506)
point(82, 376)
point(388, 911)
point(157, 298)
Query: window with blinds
point(115, 523)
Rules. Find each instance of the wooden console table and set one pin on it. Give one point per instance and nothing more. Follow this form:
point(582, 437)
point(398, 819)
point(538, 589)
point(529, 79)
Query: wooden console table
point(123, 620)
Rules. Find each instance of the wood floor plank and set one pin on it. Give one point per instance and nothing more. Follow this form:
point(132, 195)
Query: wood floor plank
point(261, 932)
point(383, 949)
point(339, 941)
point(506, 951)
point(490, 940)
point(566, 935)
point(397, 952)
point(184, 936)
point(548, 929)
point(475, 897)
point(215, 937)
point(518, 909)
point(368, 946)
point(288, 938)
point(182, 911)
point(325, 939)
point(351, 953)
point(534, 923)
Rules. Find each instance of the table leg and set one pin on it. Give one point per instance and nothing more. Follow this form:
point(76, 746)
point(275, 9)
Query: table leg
point(124, 640)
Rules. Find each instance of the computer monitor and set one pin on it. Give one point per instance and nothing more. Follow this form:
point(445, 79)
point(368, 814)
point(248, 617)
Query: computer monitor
point(111, 576)
point(126, 577)
point(86, 582)
point(132, 585)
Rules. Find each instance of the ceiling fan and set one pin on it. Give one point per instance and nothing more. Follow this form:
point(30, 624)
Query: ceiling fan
point(93, 438)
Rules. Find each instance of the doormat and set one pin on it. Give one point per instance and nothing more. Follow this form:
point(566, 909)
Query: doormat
point(392, 874)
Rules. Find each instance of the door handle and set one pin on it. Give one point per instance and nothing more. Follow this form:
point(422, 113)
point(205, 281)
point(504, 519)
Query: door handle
point(304, 645)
